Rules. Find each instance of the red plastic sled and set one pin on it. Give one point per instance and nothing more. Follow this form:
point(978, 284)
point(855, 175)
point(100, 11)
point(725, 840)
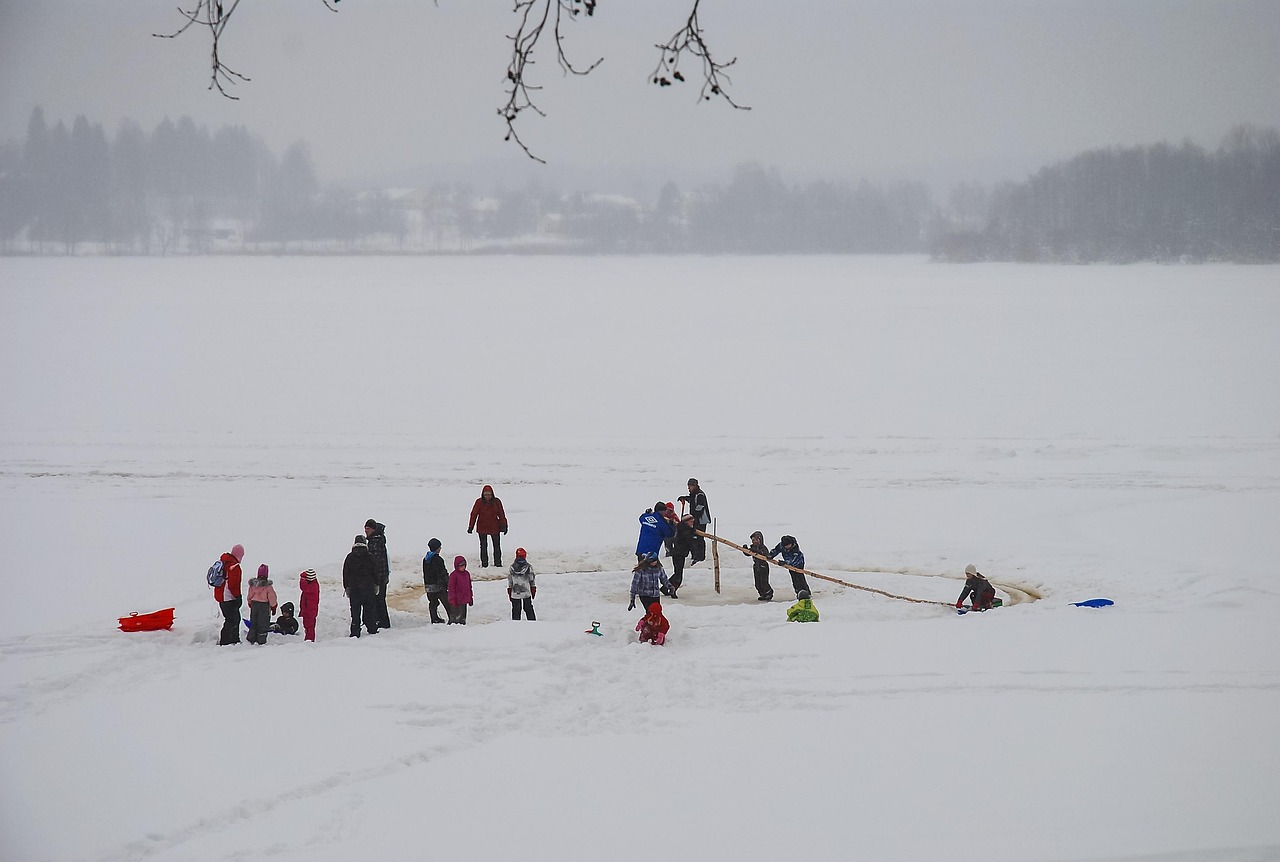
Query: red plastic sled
point(151, 622)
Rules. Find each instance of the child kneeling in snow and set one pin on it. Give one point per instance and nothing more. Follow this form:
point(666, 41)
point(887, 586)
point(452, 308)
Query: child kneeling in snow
point(286, 623)
point(803, 610)
point(653, 626)
point(976, 584)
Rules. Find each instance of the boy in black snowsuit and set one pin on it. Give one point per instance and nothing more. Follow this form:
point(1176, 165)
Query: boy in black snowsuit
point(682, 546)
point(286, 623)
point(435, 579)
point(760, 567)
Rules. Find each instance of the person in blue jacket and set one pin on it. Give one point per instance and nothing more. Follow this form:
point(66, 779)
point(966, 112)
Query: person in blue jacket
point(654, 528)
point(789, 548)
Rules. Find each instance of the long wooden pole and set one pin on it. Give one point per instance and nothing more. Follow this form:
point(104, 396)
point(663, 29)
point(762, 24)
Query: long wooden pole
point(715, 555)
point(718, 540)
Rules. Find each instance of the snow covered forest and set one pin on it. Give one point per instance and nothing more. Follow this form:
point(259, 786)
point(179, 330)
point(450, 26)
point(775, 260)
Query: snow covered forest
point(183, 189)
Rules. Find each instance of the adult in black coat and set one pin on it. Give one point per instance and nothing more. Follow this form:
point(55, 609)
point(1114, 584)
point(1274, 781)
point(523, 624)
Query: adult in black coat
point(376, 535)
point(701, 512)
point(359, 582)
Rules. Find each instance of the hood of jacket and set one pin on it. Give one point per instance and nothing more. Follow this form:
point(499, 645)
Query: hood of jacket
point(488, 488)
point(459, 563)
point(259, 582)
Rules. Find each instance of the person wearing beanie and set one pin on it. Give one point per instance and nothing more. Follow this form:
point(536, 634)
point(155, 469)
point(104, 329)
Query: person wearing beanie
point(803, 610)
point(286, 623)
point(674, 520)
point(759, 565)
point(701, 512)
point(793, 557)
point(262, 604)
point(228, 596)
point(976, 585)
point(435, 580)
point(648, 578)
point(460, 595)
point(376, 536)
point(489, 520)
point(521, 586)
point(654, 530)
point(309, 603)
point(359, 582)
point(653, 626)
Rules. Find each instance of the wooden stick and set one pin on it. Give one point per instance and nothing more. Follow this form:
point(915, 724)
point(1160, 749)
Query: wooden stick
point(715, 555)
point(751, 553)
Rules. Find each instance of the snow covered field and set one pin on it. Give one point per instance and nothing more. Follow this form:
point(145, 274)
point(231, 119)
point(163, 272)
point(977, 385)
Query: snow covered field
point(1073, 431)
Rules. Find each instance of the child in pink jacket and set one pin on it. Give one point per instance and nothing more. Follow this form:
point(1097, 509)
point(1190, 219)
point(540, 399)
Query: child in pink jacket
point(459, 591)
point(309, 604)
point(262, 604)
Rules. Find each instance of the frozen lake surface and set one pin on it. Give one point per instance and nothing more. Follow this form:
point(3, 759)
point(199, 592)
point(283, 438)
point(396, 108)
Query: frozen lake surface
point(1073, 431)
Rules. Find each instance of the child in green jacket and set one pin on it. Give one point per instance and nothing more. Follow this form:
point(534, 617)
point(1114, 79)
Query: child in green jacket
point(803, 610)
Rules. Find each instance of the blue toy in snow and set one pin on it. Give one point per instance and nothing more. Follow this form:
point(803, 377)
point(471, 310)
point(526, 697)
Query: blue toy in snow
point(1093, 603)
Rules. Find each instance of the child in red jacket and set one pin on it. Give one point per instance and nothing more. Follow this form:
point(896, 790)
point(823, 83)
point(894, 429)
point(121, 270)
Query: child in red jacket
point(309, 604)
point(653, 626)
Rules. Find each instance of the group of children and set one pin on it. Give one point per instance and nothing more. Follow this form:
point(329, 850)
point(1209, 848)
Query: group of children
point(451, 590)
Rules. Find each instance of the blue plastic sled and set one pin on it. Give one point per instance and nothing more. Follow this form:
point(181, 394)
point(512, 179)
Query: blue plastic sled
point(1093, 603)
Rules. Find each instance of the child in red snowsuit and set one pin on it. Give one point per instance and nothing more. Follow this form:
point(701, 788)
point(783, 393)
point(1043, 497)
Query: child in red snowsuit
point(653, 626)
point(309, 604)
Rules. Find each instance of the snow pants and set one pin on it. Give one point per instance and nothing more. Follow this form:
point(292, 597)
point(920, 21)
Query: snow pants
point(436, 601)
point(259, 621)
point(309, 626)
point(380, 608)
point(484, 549)
point(458, 614)
point(362, 605)
point(230, 622)
point(525, 603)
point(798, 581)
point(677, 565)
point(762, 580)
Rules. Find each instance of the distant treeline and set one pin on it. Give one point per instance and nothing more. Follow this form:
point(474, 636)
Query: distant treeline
point(1160, 203)
point(184, 189)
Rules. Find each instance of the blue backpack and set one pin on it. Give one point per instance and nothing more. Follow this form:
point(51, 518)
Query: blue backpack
point(216, 577)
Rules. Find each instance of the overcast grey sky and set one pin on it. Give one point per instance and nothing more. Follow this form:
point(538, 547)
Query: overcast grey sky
point(396, 90)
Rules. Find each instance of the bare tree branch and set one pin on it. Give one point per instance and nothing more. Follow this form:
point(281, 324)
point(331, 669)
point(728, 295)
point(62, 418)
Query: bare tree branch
point(535, 15)
point(689, 40)
point(213, 15)
point(538, 18)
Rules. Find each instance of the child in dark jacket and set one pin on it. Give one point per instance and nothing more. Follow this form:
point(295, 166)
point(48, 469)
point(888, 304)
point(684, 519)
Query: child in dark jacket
point(435, 579)
point(286, 623)
point(976, 584)
point(262, 604)
point(460, 596)
point(760, 567)
point(685, 542)
point(793, 557)
point(309, 603)
point(653, 626)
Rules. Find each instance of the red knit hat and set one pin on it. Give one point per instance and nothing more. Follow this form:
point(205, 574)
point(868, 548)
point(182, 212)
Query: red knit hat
point(520, 553)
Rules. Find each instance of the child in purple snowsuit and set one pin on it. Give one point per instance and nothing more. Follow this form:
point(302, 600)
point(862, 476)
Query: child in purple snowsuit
point(460, 595)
